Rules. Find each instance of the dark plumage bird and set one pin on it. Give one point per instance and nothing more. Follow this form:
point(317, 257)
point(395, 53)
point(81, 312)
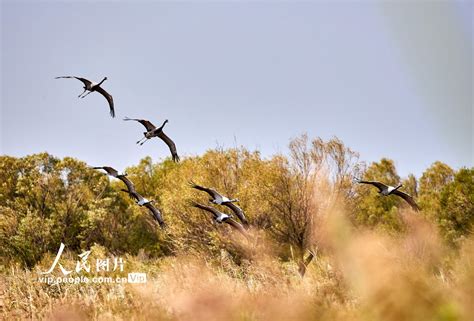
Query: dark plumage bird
point(92, 86)
point(153, 131)
point(140, 200)
point(121, 176)
point(156, 214)
point(111, 171)
point(218, 198)
point(386, 190)
point(220, 217)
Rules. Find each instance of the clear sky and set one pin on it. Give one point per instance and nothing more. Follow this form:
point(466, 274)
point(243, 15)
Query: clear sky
point(391, 79)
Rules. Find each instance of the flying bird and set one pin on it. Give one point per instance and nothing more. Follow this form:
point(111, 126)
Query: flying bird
point(140, 200)
point(386, 190)
point(238, 212)
point(156, 214)
point(121, 176)
point(90, 86)
point(220, 217)
point(111, 171)
point(219, 199)
point(153, 131)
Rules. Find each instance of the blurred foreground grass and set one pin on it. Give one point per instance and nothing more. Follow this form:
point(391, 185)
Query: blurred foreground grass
point(358, 275)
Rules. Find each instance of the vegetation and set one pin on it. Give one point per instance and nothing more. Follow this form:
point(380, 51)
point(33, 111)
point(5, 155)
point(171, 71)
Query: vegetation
point(376, 258)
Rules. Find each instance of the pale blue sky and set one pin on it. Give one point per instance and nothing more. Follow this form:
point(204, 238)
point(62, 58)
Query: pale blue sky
point(246, 73)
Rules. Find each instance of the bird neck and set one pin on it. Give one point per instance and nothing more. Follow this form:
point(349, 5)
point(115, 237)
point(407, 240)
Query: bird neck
point(163, 125)
point(105, 78)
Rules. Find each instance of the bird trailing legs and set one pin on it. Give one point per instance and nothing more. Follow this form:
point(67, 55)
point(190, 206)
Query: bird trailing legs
point(82, 93)
point(140, 141)
point(144, 142)
point(86, 94)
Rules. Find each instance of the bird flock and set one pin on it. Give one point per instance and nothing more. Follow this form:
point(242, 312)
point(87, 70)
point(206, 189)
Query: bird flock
point(151, 130)
point(216, 198)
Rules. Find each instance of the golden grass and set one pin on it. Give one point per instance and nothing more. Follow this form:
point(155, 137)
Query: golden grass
point(359, 275)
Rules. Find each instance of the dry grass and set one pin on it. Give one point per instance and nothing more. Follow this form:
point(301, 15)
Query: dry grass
point(360, 275)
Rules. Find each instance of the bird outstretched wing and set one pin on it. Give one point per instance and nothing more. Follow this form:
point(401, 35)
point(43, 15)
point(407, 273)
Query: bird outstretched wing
point(110, 170)
point(408, 198)
point(109, 99)
point(236, 225)
point(113, 172)
point(171, 145)
point(134, 195)
point(212, 192)
point(379, 185)
point(238, 212)
point(210, 209)
point(129, 184)
point(148, 125)
point(154, 211)
point(156, 214)
point(85, 81)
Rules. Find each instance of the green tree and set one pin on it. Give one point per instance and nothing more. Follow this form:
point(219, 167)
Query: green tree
point(410, 185)
point(45, 201)
point(432, 182)
point(457, 206)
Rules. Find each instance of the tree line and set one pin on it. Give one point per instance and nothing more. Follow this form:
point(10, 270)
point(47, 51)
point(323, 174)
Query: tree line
point(45, 200)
